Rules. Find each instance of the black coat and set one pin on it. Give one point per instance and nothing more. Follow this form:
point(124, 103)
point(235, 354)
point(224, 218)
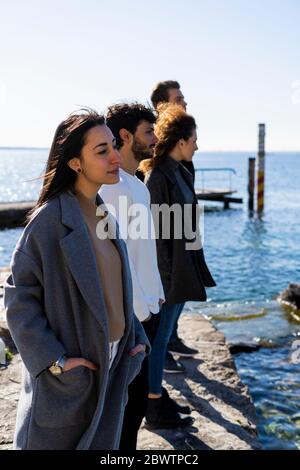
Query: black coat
point(190, 166)
point(184, 272)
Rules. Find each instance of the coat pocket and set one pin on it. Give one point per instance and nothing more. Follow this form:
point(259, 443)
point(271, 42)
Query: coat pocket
point(64, 400)
point(135, 364)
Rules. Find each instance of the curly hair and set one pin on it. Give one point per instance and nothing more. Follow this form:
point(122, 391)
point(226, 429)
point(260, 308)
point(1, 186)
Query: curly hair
point(127, 116)
point(172, 124)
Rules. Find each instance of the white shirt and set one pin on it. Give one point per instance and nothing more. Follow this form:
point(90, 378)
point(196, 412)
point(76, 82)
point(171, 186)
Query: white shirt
point(113, 351)
point(146, 281)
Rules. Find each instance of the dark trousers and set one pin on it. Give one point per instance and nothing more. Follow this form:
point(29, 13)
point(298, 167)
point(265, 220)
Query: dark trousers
point(137, 395)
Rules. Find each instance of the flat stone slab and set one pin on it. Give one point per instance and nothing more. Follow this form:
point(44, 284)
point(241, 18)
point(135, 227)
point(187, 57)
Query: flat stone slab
point(10, 380)
point(3, 275)
point(222, 408)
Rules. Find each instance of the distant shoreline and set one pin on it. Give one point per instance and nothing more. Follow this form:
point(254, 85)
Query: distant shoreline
point(201, 151)
point(24, 148)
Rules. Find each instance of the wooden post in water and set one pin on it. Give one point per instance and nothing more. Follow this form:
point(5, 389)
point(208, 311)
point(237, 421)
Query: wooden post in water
point(261, 169)
point(251, 183)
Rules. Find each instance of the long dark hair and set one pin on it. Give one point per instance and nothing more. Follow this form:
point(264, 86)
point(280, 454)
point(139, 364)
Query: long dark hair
point(172, 124)
point(67, 143)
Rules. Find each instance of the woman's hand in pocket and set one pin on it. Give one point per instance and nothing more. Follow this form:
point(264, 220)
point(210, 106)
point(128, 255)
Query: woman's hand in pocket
point(73, 362)
point(137, 349)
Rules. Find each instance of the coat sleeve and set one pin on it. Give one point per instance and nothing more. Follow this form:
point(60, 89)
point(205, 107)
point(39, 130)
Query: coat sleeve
point(26, 319)
point(140, 335)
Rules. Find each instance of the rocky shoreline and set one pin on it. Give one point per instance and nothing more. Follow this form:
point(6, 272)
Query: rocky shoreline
point(222, 408)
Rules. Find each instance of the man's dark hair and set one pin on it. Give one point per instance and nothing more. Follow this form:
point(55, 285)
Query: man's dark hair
point(127, 116)
point(160, 94)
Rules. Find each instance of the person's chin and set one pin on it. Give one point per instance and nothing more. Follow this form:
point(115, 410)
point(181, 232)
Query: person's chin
point(113, 178)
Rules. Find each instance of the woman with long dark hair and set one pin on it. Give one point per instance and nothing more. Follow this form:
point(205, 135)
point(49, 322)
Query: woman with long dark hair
point(69, 300)
point(181, 262)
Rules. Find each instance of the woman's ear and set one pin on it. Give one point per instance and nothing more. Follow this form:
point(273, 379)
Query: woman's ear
point(181, 144)
point(74, 164)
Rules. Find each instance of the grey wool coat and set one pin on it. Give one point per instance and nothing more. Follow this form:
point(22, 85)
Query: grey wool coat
point(55, 305)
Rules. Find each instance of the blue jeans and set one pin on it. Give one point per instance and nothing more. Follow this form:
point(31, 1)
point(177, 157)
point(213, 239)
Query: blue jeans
point(174, 335)
point(168, 317)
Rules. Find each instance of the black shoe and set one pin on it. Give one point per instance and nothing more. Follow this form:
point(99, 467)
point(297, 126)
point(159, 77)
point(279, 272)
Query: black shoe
point(173, 405)
point(180, 349)
point(172, 366)
point(157, 416)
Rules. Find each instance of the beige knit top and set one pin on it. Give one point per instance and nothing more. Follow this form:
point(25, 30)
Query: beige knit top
point(109, 268)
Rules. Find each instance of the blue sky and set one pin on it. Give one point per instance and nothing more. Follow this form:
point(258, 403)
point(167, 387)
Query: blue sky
point(238, 63)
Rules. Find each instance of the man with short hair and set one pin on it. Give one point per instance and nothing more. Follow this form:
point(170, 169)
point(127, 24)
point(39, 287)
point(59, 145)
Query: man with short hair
point(168, 92)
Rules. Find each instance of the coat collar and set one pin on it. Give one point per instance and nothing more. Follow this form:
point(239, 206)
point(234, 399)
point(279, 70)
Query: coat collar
point(187, 176)
point(70, 210)
point(170, 167)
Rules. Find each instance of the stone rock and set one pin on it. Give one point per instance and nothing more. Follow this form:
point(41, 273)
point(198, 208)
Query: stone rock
point(291, 296)
point(4, 272)
point(221, 406)
point(9, 394)
point(6, 336)
point(243, 347)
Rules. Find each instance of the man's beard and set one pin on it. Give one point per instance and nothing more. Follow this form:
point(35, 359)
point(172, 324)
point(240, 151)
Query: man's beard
point(141, 151)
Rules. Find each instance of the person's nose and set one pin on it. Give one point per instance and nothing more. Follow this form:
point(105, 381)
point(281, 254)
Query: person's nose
point(115, 157)
point(154, 139)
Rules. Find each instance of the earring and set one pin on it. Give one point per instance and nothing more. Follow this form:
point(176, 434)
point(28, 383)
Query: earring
point(79, 170)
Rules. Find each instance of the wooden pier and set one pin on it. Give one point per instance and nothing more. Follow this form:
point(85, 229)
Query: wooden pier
point(13, 214)
point(224, 195)
point(218, 195)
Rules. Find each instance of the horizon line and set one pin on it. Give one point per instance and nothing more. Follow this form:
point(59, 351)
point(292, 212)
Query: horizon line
point(202, 150)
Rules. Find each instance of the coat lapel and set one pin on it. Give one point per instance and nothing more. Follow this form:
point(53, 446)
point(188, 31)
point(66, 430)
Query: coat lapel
point(187, 176)
point(113, 231)
point(114, 235)
point(79, 255)
point(168, 166)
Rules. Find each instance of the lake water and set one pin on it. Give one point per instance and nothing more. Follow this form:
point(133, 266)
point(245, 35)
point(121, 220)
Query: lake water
point(252, 261)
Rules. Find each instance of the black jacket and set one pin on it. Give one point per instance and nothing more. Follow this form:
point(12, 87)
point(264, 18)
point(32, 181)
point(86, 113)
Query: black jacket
point(189, 166)
point(184, 272)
